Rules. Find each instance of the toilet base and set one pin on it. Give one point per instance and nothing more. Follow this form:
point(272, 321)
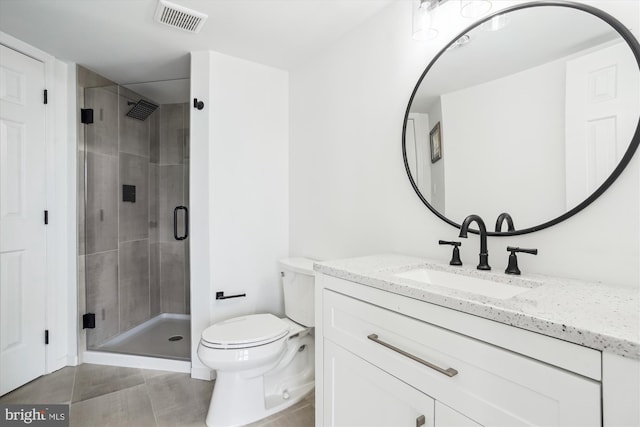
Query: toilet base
point(238, 400)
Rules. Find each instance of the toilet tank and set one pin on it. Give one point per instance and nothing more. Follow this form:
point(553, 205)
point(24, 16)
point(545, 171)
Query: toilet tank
point(299, 290)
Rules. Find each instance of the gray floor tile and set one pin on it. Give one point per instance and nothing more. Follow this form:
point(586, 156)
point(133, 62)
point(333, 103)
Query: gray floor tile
point(127, 407)
point(179, 400)
point(150, 373)
point(300, 417)
point(114, 396)
point(299, 412)
point(53, 388)
point(96, 380)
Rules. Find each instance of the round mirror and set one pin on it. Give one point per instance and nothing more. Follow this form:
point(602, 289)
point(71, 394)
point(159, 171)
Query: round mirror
point(534, 112)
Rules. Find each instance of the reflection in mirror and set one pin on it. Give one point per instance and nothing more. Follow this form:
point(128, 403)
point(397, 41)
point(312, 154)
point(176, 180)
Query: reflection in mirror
point(532, 119)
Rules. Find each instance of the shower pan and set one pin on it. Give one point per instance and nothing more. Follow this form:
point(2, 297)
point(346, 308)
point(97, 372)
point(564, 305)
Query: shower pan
point(135, 252)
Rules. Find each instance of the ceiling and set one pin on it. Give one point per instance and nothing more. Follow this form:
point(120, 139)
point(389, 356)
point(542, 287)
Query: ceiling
point(120, 40)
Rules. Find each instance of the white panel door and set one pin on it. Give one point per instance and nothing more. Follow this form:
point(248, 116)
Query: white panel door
point(602, 107)
point(412, 151)
point(22, 229)
point(358, 394)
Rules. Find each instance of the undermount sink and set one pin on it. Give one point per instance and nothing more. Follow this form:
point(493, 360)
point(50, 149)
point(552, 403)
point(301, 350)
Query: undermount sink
point(459, 282)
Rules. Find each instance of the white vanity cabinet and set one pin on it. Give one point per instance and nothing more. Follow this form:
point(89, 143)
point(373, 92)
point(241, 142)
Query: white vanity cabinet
point(387, 360)
point(365, 395)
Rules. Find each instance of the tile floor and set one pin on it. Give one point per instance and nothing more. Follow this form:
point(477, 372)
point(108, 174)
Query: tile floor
point(113, 396)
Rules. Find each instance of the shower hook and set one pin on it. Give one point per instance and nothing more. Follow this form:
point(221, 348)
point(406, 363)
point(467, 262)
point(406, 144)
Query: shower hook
point(198, 104)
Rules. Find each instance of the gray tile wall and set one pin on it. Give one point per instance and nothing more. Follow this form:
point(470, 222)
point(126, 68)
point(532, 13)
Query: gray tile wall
point(134, 283)
point(134, 216)
point(154, 279)
point(132, 267)
point(102, 295)
point(172, 286)
point(101, 212)
point(102, 135)
point(88, 86)
point(134, 133)
point(172, 127)
point(171, 195)
point(173, 191)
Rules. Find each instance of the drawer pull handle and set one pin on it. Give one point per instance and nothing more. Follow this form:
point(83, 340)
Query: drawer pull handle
point(450, 372)
point(420, 421)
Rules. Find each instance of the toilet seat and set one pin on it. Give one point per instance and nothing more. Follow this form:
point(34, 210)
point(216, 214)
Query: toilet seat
point(245, 331)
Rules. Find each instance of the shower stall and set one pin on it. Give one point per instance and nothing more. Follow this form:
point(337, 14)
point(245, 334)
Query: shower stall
point(133, 159)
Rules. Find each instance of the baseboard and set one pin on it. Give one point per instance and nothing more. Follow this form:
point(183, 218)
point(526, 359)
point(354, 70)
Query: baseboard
point(131, 361)
point(202, 373)
point(72, 360)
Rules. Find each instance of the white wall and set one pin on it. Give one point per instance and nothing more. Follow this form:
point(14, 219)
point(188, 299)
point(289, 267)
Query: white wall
point(239, 189)
point(517, 121)
point(349, 192)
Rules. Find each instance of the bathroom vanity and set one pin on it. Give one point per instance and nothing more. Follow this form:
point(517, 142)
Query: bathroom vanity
point(405, 341)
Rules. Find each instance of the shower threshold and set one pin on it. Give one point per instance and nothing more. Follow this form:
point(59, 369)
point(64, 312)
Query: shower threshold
point(166, 335)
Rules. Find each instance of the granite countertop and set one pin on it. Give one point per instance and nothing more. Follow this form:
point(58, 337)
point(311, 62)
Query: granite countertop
point(590, 314)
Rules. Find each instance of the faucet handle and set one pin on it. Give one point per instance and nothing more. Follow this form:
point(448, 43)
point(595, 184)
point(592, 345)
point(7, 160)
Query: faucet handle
point(512, 268)
point(455, 256)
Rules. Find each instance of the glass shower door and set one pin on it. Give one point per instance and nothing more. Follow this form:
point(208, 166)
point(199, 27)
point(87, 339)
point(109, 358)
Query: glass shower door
point(135, 225)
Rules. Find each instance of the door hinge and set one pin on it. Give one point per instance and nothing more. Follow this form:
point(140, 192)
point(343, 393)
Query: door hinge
point(86, 116)
point(46, 96)
point(88, 321)
point(46, 217)
point(46, 336)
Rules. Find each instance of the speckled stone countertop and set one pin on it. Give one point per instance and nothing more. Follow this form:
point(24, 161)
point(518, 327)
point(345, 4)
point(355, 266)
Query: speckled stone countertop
point(590, 314)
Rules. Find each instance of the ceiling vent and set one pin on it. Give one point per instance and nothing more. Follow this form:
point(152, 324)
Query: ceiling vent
point(181, 17)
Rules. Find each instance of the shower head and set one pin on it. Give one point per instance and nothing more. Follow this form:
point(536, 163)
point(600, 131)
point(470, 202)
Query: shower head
point(141, 109)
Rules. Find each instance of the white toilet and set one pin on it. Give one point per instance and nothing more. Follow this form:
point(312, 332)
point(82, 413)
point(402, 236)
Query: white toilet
point(264, 364)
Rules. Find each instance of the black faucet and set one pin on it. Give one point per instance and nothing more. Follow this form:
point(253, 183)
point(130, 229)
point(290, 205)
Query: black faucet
point(484, 253)
point(455, 256)
point(512, 268)
point(501, 218)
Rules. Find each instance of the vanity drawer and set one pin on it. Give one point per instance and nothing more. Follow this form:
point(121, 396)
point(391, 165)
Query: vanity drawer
point(358, 394)
point(488, 384)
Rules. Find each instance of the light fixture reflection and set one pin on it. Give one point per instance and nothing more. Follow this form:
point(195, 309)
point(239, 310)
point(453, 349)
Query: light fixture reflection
point(426, 15)
point(422, 21)
point(496, 23)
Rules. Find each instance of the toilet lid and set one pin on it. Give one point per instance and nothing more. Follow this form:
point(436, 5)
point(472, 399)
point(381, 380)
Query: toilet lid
point(245, 331)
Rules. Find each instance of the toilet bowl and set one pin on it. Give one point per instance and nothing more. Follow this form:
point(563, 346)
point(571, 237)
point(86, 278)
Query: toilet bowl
point(264, 364)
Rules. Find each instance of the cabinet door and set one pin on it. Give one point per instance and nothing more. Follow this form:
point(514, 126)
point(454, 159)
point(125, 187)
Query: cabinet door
point(447, 417)
point(357, 393)
point(493, 386)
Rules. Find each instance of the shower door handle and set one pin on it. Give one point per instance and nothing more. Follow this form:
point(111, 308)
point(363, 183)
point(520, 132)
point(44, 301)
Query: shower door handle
point(175, 222)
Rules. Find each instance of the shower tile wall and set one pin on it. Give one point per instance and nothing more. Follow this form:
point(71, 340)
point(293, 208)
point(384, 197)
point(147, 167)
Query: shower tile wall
point(172, 181)
point(130, 266)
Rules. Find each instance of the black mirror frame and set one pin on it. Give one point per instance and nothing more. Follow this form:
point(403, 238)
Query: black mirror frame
point(626, 158)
